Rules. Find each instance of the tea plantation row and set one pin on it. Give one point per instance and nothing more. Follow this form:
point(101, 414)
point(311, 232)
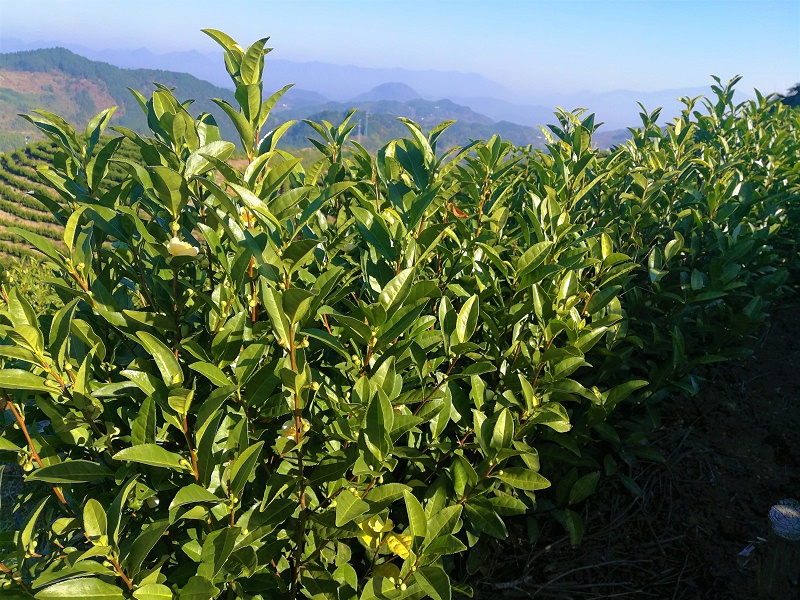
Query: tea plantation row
point(338, 381)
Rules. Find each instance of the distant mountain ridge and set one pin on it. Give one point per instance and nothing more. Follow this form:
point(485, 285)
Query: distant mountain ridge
point(394, 90)
point(59, 80)
point(617, 109)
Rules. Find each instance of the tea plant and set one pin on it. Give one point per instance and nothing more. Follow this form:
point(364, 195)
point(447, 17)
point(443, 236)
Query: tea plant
point(285, 382)
point(328, 381)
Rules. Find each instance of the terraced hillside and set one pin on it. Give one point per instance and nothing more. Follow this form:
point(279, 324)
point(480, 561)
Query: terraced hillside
point(22, 198)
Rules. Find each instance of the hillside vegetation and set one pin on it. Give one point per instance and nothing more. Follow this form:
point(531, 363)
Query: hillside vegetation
point(61, 81)
point(26, 201)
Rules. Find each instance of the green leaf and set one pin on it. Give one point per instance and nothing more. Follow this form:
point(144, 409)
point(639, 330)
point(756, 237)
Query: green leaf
point(97, 125)
point(584, 487)
point(19, 379)
point(443, 522)
point(396, 290)
point(467, 319)
point(151, 454)
point(297, 254)
point(205, 447)
point(59, 330)
point(27, 537)
point(417, 520)
point(7, 446)
point(116, 510)
point(532, 258)
point(42, 244)
point(217, 547)
point(484, 518)
point(600, 300)
point(349, 507)
point(503, 432)
point(143, 428)
point(70, 229)
point(198, 588)
point(171, 189)
point(522, 478)
point(192, 494)
point(82, 588)
point(618, 393)
point(211, 372)
point(72, 471)
point(378, 424)
point(198, 162)
point(243, 467)
point(142, 546)
point(273, 302)
point(95, 523)
point(573, 523)
point(296, 303)
point(153, 591)
point(434, 581)
point(168, 365)
point(445, 544)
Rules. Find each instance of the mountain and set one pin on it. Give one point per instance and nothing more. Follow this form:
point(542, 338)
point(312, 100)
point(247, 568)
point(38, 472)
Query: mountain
point(389, 91)
point(617, 109)
point(374, 132)
point(337, 82)
point(61, 81)
point(75, 87)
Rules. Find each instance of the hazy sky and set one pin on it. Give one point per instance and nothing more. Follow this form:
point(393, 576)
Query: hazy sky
point(567, 45)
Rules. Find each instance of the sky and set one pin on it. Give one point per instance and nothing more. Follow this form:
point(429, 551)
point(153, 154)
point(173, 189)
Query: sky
point(566, 45)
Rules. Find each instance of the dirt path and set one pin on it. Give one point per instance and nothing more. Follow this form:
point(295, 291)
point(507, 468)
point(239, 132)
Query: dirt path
point(731, 453)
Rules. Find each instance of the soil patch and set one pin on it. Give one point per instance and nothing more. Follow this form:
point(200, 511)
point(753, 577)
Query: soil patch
point(731, 453)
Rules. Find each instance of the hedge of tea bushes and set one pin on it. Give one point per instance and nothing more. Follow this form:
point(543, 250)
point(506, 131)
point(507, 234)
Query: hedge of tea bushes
point(332, 382)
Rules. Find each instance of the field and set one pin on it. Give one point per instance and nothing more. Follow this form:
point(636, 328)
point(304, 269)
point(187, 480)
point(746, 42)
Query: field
point(408, 374)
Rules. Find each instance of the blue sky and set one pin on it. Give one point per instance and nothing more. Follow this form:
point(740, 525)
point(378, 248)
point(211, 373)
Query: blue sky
point(565, 45)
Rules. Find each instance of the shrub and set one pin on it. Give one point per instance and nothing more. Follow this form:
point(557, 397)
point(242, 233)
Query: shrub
point(321, 381)
point(285, 380)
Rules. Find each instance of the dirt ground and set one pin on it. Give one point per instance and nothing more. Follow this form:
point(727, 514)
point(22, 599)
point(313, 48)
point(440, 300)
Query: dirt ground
point(731, 453)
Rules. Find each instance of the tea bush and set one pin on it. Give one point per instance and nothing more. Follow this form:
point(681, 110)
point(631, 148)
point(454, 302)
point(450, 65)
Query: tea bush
point(328, 381)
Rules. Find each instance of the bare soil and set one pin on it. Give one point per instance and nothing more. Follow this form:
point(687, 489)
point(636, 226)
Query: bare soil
point(731, 453)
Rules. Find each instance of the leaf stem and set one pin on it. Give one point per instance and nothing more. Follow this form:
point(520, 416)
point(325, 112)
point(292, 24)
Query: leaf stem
point(18, 579)
point(121, 573)
point(21, 422)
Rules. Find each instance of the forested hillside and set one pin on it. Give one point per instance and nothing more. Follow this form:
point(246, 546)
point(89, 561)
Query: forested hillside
point(87, 86)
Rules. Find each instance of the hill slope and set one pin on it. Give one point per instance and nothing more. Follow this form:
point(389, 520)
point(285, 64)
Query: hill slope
point(76, 88)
